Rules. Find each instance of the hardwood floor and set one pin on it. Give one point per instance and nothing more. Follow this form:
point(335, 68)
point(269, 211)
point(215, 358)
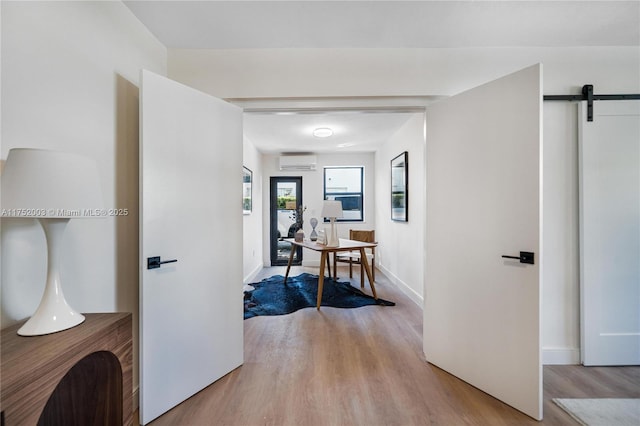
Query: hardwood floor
point(365, 366)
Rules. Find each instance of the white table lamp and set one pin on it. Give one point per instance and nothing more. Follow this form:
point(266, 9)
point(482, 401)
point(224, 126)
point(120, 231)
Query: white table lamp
point(52, 187)
point(332, 209)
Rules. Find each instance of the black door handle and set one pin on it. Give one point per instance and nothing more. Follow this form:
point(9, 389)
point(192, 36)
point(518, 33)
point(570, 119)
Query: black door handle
point(154, 262)
point(525, 257)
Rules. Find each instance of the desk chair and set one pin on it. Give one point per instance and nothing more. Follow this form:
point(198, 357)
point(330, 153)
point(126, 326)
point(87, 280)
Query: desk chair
point(353, 257)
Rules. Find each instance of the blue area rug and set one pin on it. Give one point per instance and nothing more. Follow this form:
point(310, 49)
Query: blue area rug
point(272, 297)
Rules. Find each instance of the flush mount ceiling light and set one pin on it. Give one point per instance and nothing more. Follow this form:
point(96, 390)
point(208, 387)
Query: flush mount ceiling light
point(322, 132)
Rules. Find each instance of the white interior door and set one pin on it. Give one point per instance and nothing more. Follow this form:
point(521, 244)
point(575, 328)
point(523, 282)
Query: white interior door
point(610, 233)
point(190, 187)
point(482, 311)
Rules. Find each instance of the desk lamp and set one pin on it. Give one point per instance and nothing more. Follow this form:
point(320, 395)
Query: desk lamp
point(52, 187)
point(332, 209)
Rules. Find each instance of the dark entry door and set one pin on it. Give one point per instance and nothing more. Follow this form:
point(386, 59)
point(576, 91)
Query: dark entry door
point(285, 200)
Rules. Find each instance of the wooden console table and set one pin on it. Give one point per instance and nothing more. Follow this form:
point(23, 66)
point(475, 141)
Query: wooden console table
point(82, 375)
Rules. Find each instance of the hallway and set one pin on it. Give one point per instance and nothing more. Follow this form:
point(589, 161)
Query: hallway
point(366, 367)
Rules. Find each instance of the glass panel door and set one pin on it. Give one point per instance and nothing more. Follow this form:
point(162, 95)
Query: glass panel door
point(285, 199)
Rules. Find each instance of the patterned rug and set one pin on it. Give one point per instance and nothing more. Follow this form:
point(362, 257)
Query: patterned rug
point(272, 297)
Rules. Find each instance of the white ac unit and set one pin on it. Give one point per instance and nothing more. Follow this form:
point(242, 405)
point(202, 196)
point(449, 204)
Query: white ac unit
point(297, 162)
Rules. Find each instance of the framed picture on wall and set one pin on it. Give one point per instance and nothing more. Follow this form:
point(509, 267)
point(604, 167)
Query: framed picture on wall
point(247, 180)
point(400, 188)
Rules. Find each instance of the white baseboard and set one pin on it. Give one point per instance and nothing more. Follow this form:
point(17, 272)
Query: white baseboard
point(560, 356)
point(252, 275)
point(404, 287)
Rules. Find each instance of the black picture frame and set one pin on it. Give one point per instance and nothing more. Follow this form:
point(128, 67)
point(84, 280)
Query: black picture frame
point(400, 188)
point(247, 196)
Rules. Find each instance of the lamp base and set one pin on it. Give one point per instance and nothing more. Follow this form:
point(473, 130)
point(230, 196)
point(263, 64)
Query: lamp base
point(48, 322)
point(332, 238)
point(54, 313)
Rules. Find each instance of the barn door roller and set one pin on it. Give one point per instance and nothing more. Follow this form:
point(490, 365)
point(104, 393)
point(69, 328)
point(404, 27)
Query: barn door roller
point(589, 96)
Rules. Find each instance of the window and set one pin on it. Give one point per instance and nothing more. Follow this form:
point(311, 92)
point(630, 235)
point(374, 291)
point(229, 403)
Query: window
point(346, 184)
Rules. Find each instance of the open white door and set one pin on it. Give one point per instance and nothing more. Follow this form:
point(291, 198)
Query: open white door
point(610, 233)
point(190, 210)
point(482, 311)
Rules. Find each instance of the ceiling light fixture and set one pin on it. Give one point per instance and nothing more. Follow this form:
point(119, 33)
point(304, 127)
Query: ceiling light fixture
point(322, 132)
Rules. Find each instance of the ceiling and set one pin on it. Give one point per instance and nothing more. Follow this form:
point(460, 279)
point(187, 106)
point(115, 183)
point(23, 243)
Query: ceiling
point(375, 24)
point(388, 24)
point(353, 131)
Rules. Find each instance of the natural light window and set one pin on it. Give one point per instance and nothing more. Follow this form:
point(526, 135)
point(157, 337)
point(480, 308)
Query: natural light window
point(346, 184)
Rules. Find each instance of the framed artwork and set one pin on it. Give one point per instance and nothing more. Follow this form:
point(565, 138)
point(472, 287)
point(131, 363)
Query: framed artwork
point(247, 180)
point(400, 187)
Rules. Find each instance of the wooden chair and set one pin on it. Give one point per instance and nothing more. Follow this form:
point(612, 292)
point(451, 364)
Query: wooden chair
point(353, 257)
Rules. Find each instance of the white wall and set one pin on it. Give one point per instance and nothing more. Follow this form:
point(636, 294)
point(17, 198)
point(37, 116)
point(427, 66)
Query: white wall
point(312, 196)
point(400, 253)
point(252, 223)
point(69, 75)
point(253, 73)
point(377, 72)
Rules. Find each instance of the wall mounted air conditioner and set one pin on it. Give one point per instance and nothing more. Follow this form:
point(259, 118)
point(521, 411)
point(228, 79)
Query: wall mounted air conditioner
point(297, 162)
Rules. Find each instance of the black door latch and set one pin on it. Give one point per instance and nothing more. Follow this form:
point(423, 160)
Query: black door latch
point(525, 257)
point(154, 262)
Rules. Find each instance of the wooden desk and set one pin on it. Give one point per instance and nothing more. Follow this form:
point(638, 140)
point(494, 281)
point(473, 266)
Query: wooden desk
point(345, 245)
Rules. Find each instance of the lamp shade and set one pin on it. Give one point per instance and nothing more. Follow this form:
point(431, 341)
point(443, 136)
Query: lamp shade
point(331, 208)
point(50, 184)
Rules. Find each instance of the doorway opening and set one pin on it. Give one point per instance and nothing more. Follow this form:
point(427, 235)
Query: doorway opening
point(284, 201)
